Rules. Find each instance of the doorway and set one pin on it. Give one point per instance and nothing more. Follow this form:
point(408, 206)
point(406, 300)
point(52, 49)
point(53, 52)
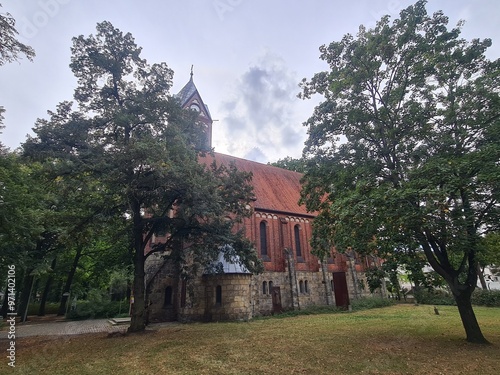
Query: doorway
point(340, 290)
point(276, 295)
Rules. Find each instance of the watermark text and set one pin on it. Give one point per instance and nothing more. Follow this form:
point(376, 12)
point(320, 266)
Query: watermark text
point(47, 9)
point(11, 315)
point(223, 6)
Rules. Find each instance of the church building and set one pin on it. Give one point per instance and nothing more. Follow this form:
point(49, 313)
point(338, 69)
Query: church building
point(281, 230)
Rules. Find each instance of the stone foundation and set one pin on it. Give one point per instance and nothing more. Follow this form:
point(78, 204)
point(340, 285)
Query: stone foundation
point(230, 297)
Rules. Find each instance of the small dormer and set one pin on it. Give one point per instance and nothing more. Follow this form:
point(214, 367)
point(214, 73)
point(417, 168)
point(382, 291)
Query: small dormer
point(190, 98)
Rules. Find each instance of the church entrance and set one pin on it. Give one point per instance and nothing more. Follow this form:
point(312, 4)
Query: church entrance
point(276, 295)
point(340, 290)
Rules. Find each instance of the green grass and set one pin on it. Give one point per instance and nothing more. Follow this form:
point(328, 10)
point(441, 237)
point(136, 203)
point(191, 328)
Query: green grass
point(402, 339)
point(356, 305)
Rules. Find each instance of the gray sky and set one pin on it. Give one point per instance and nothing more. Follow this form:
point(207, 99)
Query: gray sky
point(248, 57)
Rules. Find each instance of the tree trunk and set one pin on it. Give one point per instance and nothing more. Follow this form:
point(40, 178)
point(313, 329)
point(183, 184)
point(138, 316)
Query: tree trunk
point(5, 303)
point(480, 274)
point(46, 290)
point(19, 285)
point(25, 293)
point(469, 321)
point(137, 321)
point(462, 292)
point(55, 293)
point(69, 281)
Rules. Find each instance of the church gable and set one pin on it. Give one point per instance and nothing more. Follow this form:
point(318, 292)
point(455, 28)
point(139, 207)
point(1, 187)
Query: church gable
point(190, 98)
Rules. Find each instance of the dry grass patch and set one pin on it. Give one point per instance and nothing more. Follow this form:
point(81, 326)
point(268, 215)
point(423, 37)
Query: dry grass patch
point(402, 339)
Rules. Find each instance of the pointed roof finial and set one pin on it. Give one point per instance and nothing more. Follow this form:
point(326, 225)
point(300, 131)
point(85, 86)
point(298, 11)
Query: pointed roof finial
point(191, 72)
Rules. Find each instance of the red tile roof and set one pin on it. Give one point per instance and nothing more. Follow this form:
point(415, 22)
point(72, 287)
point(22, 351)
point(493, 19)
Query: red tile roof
point(275, 189)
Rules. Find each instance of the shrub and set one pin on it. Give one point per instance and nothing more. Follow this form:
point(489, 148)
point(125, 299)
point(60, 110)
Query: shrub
point(370, 303)
point(490, 298)
point(50, 308)
point(97, 305)
point(95, 310)
point(374, 277)
point(434, 297)
point(309, 310)
point(357, 305)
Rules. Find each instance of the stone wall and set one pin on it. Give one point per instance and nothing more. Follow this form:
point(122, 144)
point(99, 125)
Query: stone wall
point(242, 296)
point(232, 302)
point(314, 294)
point(160, 275)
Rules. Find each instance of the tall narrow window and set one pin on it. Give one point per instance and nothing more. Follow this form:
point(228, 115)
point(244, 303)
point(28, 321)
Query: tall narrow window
point(298, 248)
point(306, 287)
point(270, 286)
point(168, 296)
point(301, 286)
point(264, 287)
point(218, 295)
point(263, 239)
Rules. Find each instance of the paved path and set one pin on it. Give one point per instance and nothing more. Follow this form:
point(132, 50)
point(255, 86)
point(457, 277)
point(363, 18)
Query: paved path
point(64, 328)
point(68, 328)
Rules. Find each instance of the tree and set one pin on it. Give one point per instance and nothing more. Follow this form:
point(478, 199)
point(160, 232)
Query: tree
point(22, 214)
point(490, 252)
point(129, 134)
point(296, 165)
point(419, 108)
point(10, 47)
point(89, 228)
point(3, 150)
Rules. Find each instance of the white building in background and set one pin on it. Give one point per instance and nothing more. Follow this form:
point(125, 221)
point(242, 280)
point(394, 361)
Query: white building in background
point(492, 281)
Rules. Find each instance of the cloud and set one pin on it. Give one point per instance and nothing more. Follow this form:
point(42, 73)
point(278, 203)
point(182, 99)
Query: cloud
point(260, 122)
point(256, 154)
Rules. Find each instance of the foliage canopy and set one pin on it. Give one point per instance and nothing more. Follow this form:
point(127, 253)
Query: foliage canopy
point(10, 47)
point(127, 133)
point(419, 109)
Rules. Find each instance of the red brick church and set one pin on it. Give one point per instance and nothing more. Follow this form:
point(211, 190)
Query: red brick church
point(281, 230)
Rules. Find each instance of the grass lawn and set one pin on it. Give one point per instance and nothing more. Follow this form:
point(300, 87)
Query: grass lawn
point(403, 339)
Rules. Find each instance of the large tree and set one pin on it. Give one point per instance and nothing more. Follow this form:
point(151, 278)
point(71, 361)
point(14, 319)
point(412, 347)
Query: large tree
point(10, 47)
point(10, 50)
point(92, 229)
point(490, 252)
point(405, 147)
point(22, 214)
point(296, 165)
point(127, 132)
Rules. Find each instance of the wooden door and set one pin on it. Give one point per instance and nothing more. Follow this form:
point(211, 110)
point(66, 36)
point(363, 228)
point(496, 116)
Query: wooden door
point(276, 295)
point(340, 290)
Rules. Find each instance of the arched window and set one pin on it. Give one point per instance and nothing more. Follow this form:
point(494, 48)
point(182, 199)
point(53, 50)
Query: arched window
point(301, 286)
point(263, 239)
point(168, 296)
point(264, 287)
point(298, 248)
point(306, 287)
point(270, 286)
point(218, 295)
